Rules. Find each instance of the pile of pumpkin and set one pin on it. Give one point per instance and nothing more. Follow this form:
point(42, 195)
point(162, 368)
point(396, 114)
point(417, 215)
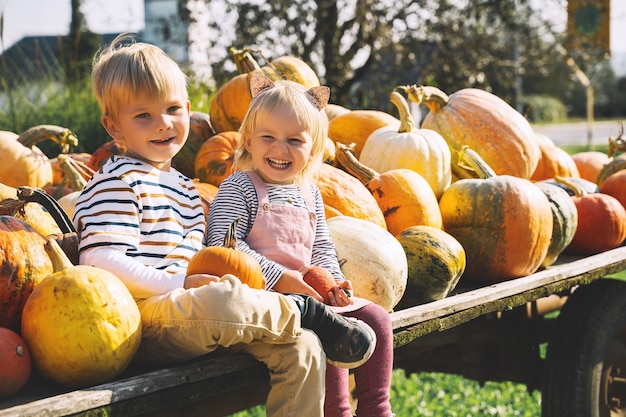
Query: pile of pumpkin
point(473, 193)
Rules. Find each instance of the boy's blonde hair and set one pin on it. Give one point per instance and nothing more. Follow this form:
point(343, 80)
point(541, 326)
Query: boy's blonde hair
point(126, 68)
point(292, 95)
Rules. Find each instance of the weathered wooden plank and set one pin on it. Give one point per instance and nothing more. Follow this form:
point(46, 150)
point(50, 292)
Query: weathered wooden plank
point(593, 267)
point(150, 392)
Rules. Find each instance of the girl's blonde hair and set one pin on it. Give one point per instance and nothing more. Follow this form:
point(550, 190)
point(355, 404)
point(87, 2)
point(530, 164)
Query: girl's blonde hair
point(293, 96)
point(126, 68)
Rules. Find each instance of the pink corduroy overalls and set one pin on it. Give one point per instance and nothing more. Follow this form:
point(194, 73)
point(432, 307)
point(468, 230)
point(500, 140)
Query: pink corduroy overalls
point(285, 234)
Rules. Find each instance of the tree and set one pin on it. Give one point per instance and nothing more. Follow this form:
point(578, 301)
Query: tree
point(78, 46)
point(362, 49)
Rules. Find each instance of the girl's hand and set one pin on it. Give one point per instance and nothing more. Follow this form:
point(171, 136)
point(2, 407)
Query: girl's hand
point(198, 280)
point(338, 295)
point(291, 281)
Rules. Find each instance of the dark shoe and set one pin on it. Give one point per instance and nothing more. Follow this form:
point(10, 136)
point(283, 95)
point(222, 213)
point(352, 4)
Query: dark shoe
point(348, 342)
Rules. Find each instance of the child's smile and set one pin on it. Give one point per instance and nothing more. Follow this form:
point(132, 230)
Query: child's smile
point(280, 146)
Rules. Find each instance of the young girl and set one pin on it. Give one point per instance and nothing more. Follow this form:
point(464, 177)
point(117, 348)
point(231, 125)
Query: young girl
point(282, 224)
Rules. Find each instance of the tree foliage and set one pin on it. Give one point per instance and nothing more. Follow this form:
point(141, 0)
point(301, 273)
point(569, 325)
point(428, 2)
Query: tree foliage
point(362, 49)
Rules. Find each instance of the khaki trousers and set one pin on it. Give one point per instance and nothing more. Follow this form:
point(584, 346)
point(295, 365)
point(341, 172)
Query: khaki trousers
point(185, 324)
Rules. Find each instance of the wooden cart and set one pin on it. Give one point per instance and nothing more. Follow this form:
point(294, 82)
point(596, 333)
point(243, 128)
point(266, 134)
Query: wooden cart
point(492, 333)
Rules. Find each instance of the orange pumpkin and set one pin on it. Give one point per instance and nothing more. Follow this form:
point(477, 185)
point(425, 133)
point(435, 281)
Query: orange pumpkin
point(207, 194)
point(483, 121)
point(601, 222)
point(200, 129)
point(356, 126)
point(16, 363)
point(590, 163)
point(553, 161)
point(214, 160)
point(105, 151)
point(231, 102)
point(404, 196)
point(503, 222)
point(23, 163)
point(23, 265)
point(227, 259)
point(347, 195)
point(321, 280)
point(615, 185)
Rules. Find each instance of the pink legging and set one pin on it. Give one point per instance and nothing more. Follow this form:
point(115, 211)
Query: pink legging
point(373, 379)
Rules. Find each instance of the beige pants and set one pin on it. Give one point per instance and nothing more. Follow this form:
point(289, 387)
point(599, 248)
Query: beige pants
point(185, 324)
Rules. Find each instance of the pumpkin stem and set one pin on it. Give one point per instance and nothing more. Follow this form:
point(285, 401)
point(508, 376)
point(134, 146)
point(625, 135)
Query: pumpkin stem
point(430, 96)
point(578, 190)
point(37, 195)
point(346, 157)
point(244, 61)
point(468, 159)
point(617, 145)
point(74, 174)
point(59, 259)
point(406, 121)
point(65, 138)
point(230, 239)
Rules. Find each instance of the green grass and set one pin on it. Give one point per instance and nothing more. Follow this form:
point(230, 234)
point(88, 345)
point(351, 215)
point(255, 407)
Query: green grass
point(445, 395)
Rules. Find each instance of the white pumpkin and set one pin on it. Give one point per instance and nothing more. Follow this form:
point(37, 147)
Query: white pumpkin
point(424, 151)
point(371, 258)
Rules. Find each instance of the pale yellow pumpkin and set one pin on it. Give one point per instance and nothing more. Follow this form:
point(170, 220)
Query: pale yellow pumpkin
point(371, 258)
point(422, 150)
point(81, 323)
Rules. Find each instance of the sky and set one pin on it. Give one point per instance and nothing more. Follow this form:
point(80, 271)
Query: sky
point(52, 17)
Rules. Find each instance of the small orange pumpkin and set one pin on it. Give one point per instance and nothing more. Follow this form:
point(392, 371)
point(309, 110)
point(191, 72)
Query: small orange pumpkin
point(105, 151)
point(230, 104)
point(615, 185)
point(345, 194)
point(356, 126)
point(601, 222)
point(16, 362)
point(590, 163)
point(553, 161)
point(200, 130)
point(404, 196)
point(321, 280)
point(23, 265)
point(214, 160)
point(227, 259)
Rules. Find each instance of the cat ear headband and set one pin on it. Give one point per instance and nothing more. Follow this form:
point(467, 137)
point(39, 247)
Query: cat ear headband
point(318, 96)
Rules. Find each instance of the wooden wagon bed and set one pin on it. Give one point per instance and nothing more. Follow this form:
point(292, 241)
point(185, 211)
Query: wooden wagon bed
point(219, 386)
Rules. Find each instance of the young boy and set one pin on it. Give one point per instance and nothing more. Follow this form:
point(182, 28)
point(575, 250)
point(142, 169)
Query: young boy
point(142, 220)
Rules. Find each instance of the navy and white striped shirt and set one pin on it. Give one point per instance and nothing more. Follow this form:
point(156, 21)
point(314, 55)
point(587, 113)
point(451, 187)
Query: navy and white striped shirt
point(141, 223)
point(237, 198)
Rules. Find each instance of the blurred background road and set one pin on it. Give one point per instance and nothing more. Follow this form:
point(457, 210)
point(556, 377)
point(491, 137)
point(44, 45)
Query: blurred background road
point(578, 133)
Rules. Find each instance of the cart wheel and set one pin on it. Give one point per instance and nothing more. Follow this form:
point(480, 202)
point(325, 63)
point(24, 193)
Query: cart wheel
point(585, 369)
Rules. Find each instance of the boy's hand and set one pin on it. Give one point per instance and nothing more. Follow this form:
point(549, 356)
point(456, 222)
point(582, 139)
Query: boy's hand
point(198, 280)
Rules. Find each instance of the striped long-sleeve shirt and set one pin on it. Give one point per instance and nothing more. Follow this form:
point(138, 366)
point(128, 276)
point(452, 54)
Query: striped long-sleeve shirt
point(141, 223)
point(237, 198)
